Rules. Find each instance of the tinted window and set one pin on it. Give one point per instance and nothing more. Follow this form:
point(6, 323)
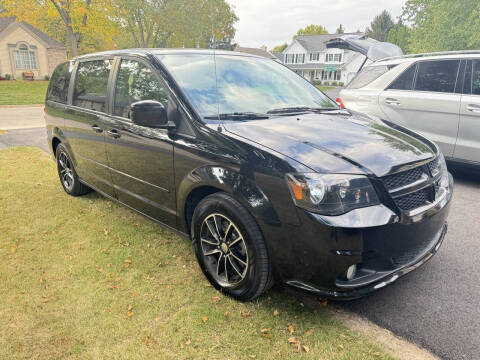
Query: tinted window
point(136, 82)
point(58, 87)
point(438, 76)
point(366, 76)
point(241, 84)
point(91, 84)
point(476, 77)
point(405, 80)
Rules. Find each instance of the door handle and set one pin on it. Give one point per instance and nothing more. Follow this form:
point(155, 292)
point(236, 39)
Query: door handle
point(97, 128)
point(473, 108)
point(113, 133)
point(391, 101)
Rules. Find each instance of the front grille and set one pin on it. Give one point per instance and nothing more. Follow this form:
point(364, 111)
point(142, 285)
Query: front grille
point(433, 166)
point(404, 178)
point(404, 199)
point(413, 200)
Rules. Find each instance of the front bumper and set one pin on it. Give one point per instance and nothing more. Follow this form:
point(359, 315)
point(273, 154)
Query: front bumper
point(382, 244)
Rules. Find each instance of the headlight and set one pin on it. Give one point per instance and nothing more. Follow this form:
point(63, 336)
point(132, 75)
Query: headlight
point(331, 194)
point(443, 171)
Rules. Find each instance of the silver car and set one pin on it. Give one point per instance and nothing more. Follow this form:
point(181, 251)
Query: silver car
point(436, 95)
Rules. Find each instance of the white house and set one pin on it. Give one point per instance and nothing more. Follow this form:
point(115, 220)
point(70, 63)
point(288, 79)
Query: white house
point(308, 56)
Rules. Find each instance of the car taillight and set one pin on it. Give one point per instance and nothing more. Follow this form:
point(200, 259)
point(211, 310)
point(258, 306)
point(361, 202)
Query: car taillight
point(340, 103)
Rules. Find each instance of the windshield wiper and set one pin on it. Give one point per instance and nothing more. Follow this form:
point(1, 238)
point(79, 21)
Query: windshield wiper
point(296, 109)
point(237, 116)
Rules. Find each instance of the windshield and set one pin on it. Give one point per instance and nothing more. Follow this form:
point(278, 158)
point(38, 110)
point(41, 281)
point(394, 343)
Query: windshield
point(233, 84)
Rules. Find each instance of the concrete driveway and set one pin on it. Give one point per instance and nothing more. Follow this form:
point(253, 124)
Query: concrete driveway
point(436, 306)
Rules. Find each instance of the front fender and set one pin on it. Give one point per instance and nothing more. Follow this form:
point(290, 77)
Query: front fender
point(232, 182)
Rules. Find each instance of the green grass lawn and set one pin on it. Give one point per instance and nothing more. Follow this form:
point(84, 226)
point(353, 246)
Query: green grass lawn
point(19, 92)
point(84, 278)
point(323, 88)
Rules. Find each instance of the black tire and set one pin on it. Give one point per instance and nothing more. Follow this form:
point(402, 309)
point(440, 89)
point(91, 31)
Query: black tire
point(247, 271)
point(67, 174)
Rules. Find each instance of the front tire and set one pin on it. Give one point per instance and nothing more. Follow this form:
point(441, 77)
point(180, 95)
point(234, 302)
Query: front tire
point(230, 248)
point(68, 176)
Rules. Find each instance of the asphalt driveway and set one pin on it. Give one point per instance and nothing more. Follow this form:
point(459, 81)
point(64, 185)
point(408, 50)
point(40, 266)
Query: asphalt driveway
point(436, 306)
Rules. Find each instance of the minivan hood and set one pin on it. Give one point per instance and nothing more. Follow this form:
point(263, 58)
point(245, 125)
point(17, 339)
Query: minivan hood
point(371, 48)
point(335, 143)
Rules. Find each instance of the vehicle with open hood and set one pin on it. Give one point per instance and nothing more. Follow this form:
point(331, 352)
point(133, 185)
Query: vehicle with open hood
point(269, 178)
point(436, 94)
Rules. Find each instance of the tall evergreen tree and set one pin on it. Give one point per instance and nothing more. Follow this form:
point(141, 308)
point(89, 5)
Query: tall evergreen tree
point(380, 26)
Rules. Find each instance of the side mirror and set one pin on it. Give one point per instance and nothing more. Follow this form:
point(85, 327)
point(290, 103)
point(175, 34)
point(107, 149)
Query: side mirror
point(150, 113)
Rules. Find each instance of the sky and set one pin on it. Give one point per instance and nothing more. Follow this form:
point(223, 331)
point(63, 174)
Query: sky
point(274, 22)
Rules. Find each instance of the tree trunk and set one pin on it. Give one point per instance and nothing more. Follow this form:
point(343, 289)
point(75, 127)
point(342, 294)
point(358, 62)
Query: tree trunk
point(72, 38)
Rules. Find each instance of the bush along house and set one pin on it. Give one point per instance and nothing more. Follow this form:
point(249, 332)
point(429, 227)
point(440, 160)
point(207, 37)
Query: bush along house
point(308, 56)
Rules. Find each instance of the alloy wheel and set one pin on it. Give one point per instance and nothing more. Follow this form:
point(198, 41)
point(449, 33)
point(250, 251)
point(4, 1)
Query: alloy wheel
point(224, 250)
point(66, 172)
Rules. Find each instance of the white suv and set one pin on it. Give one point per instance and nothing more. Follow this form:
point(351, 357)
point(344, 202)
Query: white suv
point(436, 95)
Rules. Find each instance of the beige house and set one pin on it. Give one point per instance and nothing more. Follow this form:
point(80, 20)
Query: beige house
point(24, 48)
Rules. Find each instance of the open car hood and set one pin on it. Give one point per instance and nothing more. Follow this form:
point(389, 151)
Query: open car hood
point(371, 48)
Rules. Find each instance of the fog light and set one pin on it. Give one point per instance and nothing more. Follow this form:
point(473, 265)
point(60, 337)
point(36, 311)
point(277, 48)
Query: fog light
point(351, 271)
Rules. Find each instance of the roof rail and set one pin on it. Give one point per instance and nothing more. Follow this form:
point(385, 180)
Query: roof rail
point(439, 53)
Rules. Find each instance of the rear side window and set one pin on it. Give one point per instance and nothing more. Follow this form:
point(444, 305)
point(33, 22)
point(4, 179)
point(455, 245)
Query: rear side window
point(475, 77)
point(91, 84)
point(405, 80)
point(58, 87)
point(366, 76)
point(437, 76)
point(136, 82)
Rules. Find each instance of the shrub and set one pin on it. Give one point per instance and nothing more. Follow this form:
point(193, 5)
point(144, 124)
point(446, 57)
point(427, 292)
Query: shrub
point(47, 77)
point(7, 77)
point(334, 83)
point(316, 82)
point(326, 83)
point(341, 83)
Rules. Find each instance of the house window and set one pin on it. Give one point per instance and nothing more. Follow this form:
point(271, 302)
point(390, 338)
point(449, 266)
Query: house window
point(24, 59)
point(314, 56)
point(338, 75)
point(333, 57)
point(289, 58)
point(299, 58)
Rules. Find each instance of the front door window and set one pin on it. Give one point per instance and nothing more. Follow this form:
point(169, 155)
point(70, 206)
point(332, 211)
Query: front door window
point(136, 82)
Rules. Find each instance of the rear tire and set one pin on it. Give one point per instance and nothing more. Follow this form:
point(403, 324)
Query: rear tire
point(230, 248)
point(68, 176)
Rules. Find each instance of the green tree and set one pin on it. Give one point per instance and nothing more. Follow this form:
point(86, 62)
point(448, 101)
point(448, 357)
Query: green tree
point(380, 26)
point(441, 25)
point(311, 30)
point(280, 48)
point(340, 30)
point(399, 34)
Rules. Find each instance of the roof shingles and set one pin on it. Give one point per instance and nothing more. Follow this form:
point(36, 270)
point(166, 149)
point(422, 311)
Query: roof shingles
point(5, 21)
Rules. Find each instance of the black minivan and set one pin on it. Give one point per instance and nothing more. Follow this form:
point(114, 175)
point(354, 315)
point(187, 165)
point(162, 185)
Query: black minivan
point(266, 175)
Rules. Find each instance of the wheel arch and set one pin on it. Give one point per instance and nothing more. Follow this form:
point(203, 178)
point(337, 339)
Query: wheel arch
point(208, 180)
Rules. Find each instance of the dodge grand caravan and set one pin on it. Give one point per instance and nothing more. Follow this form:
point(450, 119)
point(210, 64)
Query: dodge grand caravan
point(268, 177)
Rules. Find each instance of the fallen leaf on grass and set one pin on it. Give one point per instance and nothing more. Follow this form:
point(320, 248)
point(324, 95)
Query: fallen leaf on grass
point(130, 313)
point(158, 318)
point(247, 314)
point(323, 303)
point(275, 312)
point(305, 348)
point(215, 299)
point(291, 329)
point(266, 333)
point(292, 340)
point(204, 319)
point(128, 263)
